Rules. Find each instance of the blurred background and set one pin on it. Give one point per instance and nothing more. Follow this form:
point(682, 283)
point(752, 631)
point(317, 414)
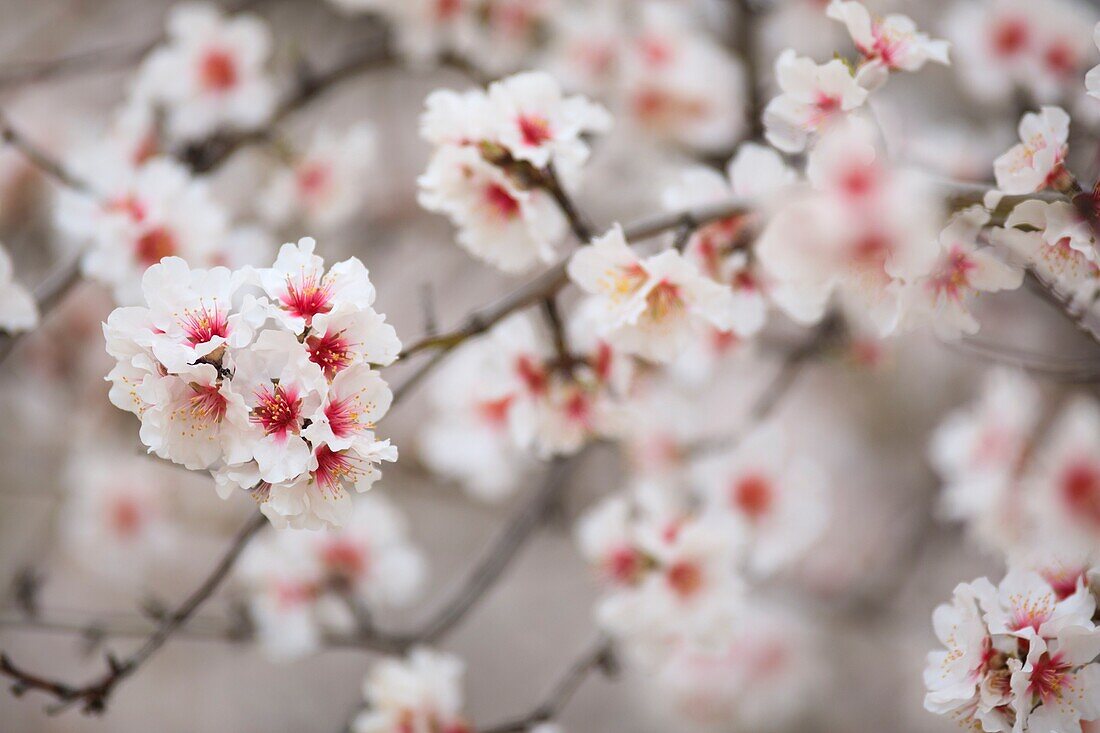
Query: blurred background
point(867, 589)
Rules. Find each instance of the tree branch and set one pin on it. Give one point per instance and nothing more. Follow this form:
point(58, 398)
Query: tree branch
point(94, 695)
point(597, 656)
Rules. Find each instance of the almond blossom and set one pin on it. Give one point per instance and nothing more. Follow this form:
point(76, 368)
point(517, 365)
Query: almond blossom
point(813, 96)
point(653, 304)
point(963, 271)
point(138, 216)
point(422, 692)
point(210, 73)
point(262, 377)
point(322, 187)
point(978, 449)
point(18, 310)
point(1092, 79)
point(1034, 164)
point(302, 584)
point(495, 153)
point(768, 492)
point(1050, 683)
point(756, 173)
point(887, 44)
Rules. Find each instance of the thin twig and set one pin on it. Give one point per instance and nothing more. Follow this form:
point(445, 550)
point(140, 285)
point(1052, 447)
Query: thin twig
point(597, 656)
point(94, 695)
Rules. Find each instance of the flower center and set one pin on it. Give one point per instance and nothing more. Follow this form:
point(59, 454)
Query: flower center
point(334, 468)
point(1061, 59)
point(534, 129)
point(1010, 36)
point(663, 301)
point(343, 417)
point(501, 203)
point(207, 405)
point(752, 495)
point(1048, 678)
point(218, 70)
point(155, 245)
point(624, 565)
point(685, 578)
point(532, 374)
point(1081, 490)
point(331, 352)
point(312, 179)
point(495, 412)
point(1030, 612)
point(125, 517)
point(203, 325)
point(277, 410)
point(308, 297)
point(344, 559)
point(953, 278)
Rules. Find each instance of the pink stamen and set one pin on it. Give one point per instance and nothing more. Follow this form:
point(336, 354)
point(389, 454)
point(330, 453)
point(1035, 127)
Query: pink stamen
point(218, 70)
point(278, 410)
point(203, 325)
point(308, 297)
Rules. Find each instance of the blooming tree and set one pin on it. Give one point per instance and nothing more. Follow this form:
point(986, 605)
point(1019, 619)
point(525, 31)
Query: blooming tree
point(723, 277)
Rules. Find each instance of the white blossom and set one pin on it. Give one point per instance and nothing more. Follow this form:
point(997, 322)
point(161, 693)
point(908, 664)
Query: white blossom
point(887, 44)
point(813, 96)
point(422, 692)
point(1033, 164)
point(18, 309)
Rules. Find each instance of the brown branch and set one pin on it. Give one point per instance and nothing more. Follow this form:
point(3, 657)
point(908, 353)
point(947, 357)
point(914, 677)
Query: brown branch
point(745, 39)
point(93, 696)
point(598, 656)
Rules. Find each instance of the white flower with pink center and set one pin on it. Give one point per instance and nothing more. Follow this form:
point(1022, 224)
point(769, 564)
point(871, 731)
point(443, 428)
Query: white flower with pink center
point(887, 44)
point(348, 335)
point(1063, 483)
point(469, 438)
point(210, 73)
point(18, 310)
point(977, 451)
point(511, 228)
point(304, 583)
point(1058, 684)
point(1029, 607)
point(535, 122)
point(322, 187)
point(606, 537)
point(678, 85)
point(963, 270)
point(422, 692)
point(356, 399)
point(969, 678)
point(138, 216)
point(653, 305)
point(813, 96)
point(1036, 161)
point(864, 231)
point(117, 520)
point(301, 289)
point(718, 249)
point(769, 492)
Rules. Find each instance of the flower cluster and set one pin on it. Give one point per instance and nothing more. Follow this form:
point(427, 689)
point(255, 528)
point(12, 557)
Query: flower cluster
point(888, 44)
point(510, 396)
point(262, 376)
point(675, 564)
point(210, 74)
point(420, 693)
point(498, 156)
point(18, 310)
point(1019, 490)
point(864, 230)
point(302, 584)
point(1008, 46)
point(1019, 656)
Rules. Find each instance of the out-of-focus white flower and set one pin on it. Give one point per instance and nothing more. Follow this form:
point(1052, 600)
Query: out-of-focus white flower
point(1036, 46)
point(813, 96)
point(652, 305)
point(864, 231)
point(136, 217)
point(768, 492)
point(323, 186)
point(1063, 482)
point(1092, 79)
point(756, 173)
point(977, 451)
point(887, 44)
point(763, 674)
point(585, 47)
point(422, 692)
point(277, 398)
point(303, 583)
point(962, 271)
point(677, 85)
point(210, 73)
point(117, 520)
point(1033, 164)
point(18, 310)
